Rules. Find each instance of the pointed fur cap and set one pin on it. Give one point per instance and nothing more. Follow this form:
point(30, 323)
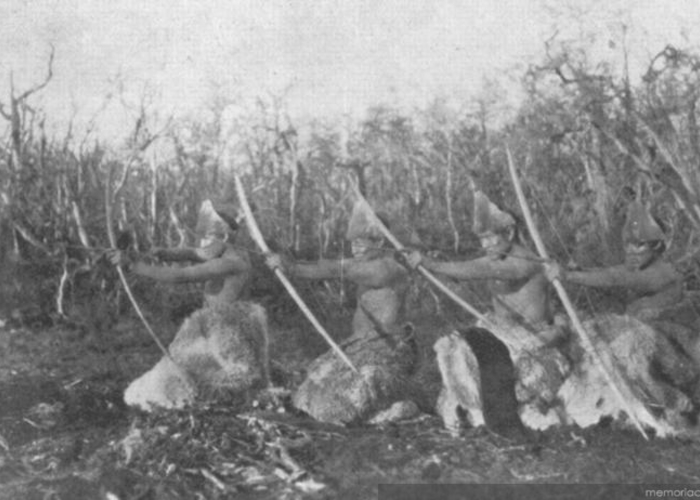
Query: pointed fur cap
point(487, 216)
point(640, 226)
point(216, 217)
point(362, 225)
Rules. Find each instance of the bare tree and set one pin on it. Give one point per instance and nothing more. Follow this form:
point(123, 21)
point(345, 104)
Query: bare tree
point(16, 112)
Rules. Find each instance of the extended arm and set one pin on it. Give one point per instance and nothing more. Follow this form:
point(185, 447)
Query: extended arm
point(645, 281)
point(373, 274)
point(199, 254)
point(177, 254)
point(216, 268)
point(510, 268)
point(321, 270)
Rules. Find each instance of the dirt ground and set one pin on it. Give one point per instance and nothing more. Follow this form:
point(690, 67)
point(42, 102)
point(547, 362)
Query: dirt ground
point(66, 434)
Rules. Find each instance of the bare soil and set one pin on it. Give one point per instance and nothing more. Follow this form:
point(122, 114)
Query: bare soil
point(66, 434)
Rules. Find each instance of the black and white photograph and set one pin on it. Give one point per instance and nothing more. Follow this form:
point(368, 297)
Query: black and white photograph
point(349, 249)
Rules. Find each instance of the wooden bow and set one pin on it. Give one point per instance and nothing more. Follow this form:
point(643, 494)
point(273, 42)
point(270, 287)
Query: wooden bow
point(257, 236)
point(569, 307)
point(113, 243)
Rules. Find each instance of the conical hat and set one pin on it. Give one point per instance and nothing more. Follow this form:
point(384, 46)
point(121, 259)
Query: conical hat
point(640, 226)
point(216, 218)
point(228, 212)
point(488, 217)
point(363, 225)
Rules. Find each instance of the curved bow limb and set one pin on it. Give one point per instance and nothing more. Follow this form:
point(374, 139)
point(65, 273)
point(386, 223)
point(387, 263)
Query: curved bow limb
point(257, 236)
point(122, 277)
point(421, 269)
point(571, 311)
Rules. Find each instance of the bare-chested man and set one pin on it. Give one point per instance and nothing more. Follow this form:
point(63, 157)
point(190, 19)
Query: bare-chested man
point(224, 269)
point(520, 292)
point(331, 392)
point(224, 344)
point(655, 295)
point(652, 284)
point(522, 319)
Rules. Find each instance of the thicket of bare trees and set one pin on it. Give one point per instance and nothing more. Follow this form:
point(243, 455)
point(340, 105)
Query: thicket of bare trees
point(587, 140)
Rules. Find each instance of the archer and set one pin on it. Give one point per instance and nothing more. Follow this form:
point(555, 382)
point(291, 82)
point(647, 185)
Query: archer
point(378, 345)
point(222, 345)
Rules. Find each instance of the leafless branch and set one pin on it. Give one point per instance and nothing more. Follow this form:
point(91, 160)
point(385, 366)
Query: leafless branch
point(49, 75)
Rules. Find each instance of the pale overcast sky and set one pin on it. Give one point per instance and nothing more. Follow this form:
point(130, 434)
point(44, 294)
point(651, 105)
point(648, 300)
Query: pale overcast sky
point(331, 56)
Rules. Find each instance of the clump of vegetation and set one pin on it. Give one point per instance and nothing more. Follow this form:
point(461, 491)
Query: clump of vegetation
point(586, 137)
